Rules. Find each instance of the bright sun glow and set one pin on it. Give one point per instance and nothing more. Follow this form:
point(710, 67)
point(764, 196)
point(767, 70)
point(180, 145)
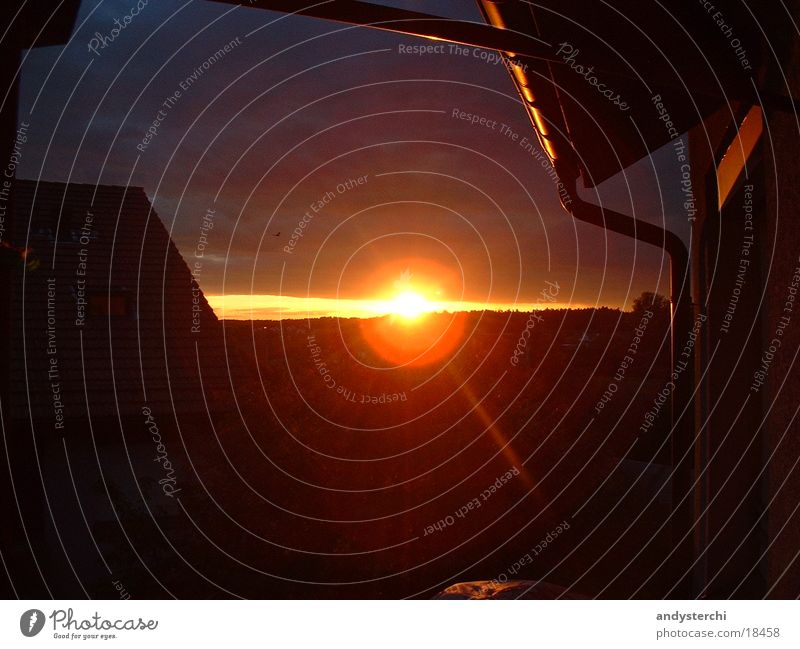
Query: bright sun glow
point(409, 305)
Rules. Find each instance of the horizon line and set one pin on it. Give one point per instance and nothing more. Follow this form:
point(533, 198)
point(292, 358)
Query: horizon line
point(288, 307)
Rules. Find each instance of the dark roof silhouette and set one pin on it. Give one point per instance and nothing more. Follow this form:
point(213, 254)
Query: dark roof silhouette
point(103, 308)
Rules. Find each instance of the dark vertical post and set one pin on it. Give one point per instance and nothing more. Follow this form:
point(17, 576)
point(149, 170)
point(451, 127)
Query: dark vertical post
point(682, 432)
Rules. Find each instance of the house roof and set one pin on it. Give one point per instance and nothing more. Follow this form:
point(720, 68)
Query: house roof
point(87, 243)
point(630, 76)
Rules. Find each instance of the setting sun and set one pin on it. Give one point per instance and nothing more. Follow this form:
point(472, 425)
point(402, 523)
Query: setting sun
point(409, 305)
